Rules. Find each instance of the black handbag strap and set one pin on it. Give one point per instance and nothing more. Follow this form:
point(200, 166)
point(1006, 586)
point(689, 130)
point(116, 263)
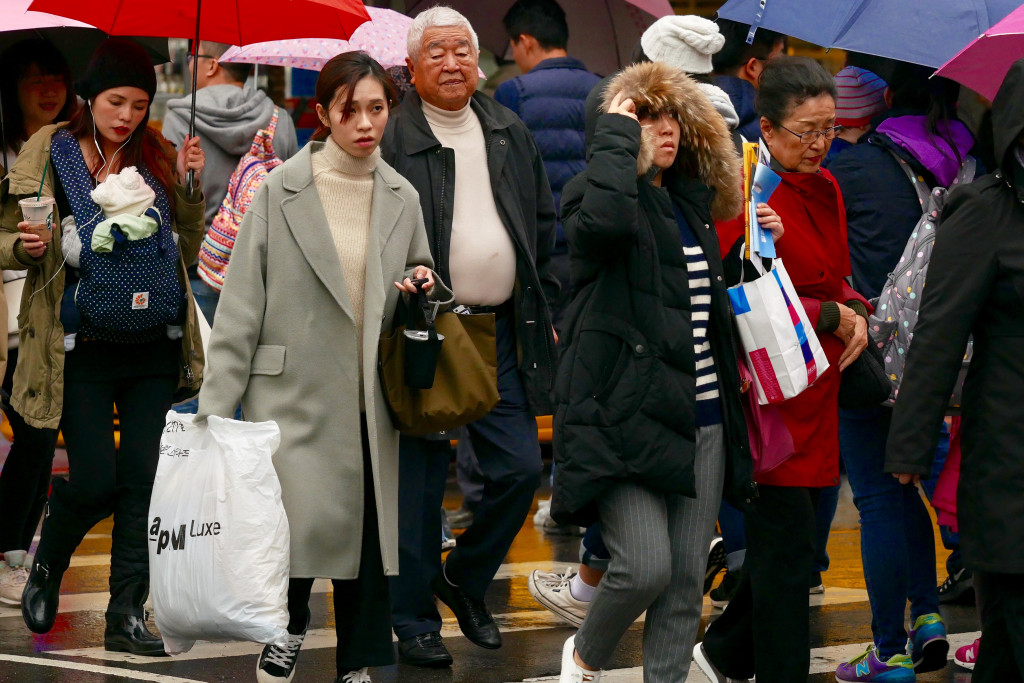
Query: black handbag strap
point(412, 310)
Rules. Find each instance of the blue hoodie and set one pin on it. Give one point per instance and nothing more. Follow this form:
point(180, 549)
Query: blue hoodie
point(742, 94)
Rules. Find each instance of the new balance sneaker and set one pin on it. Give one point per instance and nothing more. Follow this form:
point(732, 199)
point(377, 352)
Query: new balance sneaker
point(958, 588)
point(571, 671)
point(967, 655)
point(870, 667)
point(722, 594)
point(716, 562)
point(355, 676)
point(447, 537)
point(277, 664)
point(927, 644)
point(460, 519)
point(552, 590)
point(13, 576)
point(700, 656)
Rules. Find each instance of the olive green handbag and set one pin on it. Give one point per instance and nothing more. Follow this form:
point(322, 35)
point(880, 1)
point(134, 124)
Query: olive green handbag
point(465, 380)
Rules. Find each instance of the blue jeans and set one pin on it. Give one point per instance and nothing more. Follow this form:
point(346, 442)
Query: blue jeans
point(896, 537)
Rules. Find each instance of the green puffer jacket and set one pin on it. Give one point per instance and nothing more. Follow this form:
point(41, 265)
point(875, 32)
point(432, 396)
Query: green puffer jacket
point(38, 392)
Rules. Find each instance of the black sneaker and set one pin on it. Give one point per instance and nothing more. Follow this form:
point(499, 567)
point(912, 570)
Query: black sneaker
point(277, 664)
point(716, 562)
point(355, 676)
point(475, 621)
point(958, 588)
point(723, 593)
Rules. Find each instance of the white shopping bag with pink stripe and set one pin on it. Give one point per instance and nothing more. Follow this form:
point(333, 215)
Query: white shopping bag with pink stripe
point(780, 348)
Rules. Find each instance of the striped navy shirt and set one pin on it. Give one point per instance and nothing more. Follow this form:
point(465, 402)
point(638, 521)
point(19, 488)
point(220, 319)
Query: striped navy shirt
point(709, 404)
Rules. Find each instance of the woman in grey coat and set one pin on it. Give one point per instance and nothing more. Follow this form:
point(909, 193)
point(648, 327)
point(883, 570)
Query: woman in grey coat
point(330, 240)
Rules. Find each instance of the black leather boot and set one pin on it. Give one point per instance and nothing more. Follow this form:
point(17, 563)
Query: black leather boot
point(41, 596)
point(129, 633)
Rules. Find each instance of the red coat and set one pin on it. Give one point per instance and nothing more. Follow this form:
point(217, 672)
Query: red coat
point(817, 259)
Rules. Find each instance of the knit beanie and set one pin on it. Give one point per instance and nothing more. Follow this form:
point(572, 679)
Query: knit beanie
point(861, 96)
point(117, 63)
point(685, 42)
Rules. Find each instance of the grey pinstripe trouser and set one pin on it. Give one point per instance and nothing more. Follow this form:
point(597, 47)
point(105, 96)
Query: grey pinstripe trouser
point(659, 546)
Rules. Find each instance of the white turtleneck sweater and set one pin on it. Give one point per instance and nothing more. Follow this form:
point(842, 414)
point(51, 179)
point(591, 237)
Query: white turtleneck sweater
point(345, 186)
point(482, 256)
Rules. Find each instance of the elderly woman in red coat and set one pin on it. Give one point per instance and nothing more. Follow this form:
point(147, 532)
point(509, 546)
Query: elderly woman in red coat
point(765, 630)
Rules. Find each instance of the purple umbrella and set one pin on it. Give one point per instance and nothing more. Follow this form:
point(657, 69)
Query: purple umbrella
point(983, 64)
point(602, 33)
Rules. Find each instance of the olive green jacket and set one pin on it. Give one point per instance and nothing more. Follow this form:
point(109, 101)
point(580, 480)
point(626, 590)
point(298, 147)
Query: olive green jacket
point(38, 391)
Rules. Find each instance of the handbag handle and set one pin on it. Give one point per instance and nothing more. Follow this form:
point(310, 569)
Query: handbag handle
point(412, 308)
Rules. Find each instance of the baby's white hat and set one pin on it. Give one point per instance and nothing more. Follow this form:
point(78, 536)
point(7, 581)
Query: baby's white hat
point(124, 193)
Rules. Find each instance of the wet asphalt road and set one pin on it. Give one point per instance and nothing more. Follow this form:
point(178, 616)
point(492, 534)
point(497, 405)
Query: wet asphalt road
point(72, 651)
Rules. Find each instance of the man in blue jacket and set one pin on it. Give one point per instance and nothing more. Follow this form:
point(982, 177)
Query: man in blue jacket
point(738, 67)
point(549, 98)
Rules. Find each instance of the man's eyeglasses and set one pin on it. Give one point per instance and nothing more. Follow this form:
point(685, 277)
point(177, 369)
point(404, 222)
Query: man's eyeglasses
point(190, 56)
point(812, 136)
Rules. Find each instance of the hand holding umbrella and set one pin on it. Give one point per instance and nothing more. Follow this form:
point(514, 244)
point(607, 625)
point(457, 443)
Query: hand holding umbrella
point(190, 158)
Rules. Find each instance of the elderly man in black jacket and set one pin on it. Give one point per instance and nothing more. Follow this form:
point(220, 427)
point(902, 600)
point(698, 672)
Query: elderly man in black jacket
point(490, 219)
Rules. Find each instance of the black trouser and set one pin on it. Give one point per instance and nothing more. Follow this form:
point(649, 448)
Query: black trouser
point(1001, 604)
point(104, 479)
point(25, 477)
point(362, 606)
point(765, 630)
point(505, 442)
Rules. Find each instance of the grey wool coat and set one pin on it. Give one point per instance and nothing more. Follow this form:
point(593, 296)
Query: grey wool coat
point(284, 344)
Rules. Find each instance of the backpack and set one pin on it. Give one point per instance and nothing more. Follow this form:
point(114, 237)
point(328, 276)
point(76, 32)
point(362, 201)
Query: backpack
point(249, 174)
point(123, 295)
point(892, 324)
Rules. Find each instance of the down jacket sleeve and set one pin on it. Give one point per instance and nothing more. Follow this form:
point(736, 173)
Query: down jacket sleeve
point(600, 211)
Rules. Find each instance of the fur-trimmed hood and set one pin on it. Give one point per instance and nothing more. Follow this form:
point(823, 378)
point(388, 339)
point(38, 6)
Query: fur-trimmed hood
point(705, 144)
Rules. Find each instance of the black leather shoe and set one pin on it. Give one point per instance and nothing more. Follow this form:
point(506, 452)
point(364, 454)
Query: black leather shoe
point(128, 633)
point(474, 619)
point(40, 598)
point(426, 650)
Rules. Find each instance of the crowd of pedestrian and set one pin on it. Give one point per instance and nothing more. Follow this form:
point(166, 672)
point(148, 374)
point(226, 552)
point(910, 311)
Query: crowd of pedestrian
point(600, 222)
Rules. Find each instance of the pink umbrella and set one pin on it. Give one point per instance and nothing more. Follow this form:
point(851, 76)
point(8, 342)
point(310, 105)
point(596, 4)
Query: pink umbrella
point(383, 38)
point(17, 17)
point(983, 64)
point(602, 33)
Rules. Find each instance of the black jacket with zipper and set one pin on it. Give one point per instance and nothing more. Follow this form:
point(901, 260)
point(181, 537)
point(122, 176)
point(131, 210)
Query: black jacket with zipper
point(626, 389)
point(524, 202)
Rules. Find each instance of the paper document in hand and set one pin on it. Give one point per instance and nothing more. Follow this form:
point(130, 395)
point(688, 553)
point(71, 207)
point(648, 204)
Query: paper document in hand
point(762, 186)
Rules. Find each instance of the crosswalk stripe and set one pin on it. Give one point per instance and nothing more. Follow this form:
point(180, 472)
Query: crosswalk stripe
point(823, 660)
point(92, 668)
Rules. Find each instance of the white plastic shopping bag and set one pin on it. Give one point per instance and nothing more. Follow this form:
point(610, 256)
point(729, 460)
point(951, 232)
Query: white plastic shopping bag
point(781, 349)
point(218, 534)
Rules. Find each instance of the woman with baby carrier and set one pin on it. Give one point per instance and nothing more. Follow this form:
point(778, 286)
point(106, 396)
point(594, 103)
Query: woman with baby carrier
point(129, 298)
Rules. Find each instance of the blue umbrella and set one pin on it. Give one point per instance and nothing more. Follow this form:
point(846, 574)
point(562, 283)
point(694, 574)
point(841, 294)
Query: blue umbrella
point(928, 32)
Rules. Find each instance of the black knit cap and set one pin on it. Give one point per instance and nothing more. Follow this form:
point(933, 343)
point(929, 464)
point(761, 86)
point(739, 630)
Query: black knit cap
point(117, 63)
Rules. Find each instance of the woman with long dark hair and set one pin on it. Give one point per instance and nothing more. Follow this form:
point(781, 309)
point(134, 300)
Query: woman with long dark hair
point(125, 357)
point(330, 242)
point(35, 90)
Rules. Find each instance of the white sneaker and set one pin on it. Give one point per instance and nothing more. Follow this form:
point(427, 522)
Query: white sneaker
point(360, 676)
point(709, 670)
point(573, 672)
point(551, 590)
point(542, 520)
point(13, 576)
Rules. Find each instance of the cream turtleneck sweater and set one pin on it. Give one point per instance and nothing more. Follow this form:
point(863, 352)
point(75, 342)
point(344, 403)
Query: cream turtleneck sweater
point(482, 256)
point(345, 186)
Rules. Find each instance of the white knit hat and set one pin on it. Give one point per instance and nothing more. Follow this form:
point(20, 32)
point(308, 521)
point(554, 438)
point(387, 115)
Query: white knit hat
point(685, 42)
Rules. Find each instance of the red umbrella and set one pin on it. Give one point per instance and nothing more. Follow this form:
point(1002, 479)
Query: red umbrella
point(236, 22)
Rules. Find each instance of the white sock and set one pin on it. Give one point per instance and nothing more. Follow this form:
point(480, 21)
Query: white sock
point(581, 590)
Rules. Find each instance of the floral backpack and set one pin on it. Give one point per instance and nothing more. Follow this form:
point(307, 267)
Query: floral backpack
point(249, 174)
point(892, 324)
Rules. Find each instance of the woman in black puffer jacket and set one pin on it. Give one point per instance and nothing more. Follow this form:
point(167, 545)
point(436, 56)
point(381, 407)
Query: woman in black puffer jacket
point(648, 424)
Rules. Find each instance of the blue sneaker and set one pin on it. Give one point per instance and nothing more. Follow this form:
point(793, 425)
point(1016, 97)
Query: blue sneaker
point(868, 667)
point(927, 644)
